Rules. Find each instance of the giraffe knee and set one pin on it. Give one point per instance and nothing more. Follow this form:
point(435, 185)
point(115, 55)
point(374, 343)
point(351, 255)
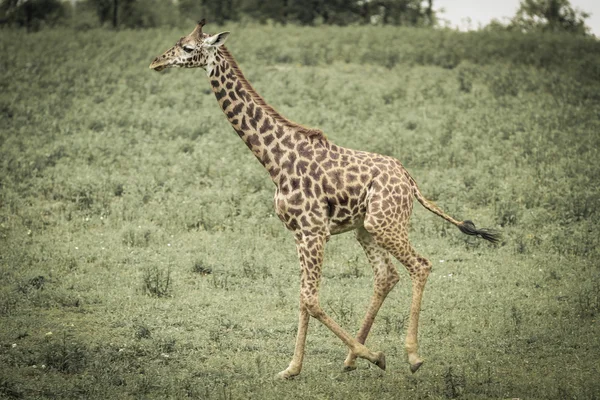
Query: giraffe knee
point(425, 265)
point(386, 283)
point(422, 270)
point(315, 311)
point(312, 306)
point(393, 282)
point(393, 277)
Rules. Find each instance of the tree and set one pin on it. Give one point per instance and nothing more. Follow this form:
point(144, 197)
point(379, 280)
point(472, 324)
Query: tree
point(106, 10)
point(399, 12)
point(549, 16)
point(214, 11)
point(340, 12)
point(263, 10)
point(134, 13)
point(32, 13)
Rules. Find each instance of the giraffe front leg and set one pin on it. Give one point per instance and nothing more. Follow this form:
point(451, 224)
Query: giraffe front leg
point(296, 364)
point(310, 251)
point(361, 337)
point(357, 349)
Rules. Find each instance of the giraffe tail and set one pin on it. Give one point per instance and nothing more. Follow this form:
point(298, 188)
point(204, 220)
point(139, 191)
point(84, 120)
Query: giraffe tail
point(467, 227)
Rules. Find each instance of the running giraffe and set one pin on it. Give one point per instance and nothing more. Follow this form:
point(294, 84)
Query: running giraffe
point(322, 190)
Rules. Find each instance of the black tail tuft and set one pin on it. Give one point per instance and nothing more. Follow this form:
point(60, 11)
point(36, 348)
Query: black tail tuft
point(468, 227)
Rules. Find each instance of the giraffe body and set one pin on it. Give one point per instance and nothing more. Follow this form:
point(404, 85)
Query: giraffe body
point(321, 190)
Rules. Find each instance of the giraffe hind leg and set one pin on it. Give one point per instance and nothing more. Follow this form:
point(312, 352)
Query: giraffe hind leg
point(386, 278)
point(418, 268)
point(387, 221)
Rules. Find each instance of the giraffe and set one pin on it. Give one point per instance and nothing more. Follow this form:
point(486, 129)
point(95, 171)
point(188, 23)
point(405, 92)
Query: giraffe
point(321, 190)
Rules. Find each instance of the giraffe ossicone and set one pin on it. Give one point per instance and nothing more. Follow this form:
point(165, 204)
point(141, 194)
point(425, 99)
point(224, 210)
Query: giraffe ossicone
point(321, 190)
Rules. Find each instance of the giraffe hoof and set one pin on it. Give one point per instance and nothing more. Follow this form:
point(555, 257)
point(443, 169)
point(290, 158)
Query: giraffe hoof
point(415, 367)
point(380, 362)
point(349, 368)
point(284, 376)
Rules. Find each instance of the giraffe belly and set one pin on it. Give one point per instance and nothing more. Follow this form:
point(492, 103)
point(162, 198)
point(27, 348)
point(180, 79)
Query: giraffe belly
point(346, 213)
point(343, 217)
point(337, 227)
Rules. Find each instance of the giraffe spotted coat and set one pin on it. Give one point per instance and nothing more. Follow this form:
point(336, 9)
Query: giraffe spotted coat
point(321, 190)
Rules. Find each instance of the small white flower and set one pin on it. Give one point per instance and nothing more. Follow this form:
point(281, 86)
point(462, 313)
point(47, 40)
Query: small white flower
point(442, 261)
point(14, 345)
point(164, 355)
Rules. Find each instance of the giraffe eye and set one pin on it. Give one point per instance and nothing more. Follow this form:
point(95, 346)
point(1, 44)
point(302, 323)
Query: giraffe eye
point(188, 49)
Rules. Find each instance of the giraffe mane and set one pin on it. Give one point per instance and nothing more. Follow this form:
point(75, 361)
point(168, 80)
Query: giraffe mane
point(309, 132)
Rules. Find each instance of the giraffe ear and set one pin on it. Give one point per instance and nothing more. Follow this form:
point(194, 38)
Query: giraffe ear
point(217, 40)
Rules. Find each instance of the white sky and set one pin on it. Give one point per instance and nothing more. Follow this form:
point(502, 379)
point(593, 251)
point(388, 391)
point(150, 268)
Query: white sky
point(481, 12)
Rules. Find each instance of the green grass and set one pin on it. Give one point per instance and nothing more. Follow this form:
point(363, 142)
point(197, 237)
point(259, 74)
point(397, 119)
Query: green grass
point(141, 257)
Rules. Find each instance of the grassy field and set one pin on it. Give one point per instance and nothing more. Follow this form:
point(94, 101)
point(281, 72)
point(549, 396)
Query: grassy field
point(140, 256)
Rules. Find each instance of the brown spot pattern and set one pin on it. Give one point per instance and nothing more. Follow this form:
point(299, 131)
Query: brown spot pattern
point(323, 189)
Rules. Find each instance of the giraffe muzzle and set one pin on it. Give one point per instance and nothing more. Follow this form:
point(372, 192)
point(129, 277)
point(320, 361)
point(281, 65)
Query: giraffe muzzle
point(158, 64)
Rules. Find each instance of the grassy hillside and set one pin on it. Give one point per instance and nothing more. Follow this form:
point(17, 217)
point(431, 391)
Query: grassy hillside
point(140, 256)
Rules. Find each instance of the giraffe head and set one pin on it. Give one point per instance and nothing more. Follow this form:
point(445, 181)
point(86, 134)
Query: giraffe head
point(197, 49)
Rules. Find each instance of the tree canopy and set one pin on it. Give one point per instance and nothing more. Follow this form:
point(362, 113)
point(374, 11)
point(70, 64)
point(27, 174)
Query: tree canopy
point(550, 15)
point(546, 16)
point(145, 13)
point(532, 15)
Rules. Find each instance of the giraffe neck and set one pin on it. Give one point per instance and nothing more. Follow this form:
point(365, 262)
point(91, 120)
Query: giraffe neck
point(273, 139)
